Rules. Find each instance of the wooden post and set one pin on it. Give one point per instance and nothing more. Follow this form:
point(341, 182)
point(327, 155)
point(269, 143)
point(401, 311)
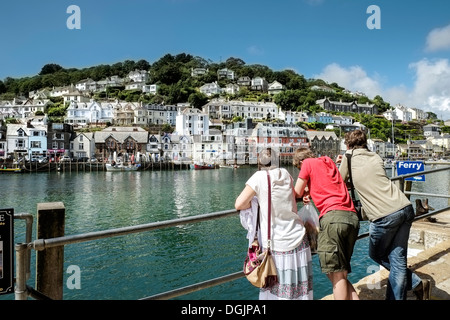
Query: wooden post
point(408, 185)
point(50, 262)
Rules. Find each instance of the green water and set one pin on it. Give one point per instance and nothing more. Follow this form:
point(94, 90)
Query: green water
point(135, 266)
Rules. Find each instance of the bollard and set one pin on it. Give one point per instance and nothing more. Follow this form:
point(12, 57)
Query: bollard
point(50, 261)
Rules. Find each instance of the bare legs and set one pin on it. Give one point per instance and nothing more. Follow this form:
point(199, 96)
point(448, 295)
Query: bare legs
point(342, 288)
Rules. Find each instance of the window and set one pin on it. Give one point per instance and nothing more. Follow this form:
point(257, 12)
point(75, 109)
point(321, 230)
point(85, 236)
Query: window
point(81, 146)
point(20, 143)
point(35, 144)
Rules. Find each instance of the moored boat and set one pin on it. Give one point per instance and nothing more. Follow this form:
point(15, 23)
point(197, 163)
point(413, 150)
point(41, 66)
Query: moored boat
point(13, 170)
point(121, 167)
point(202, 166)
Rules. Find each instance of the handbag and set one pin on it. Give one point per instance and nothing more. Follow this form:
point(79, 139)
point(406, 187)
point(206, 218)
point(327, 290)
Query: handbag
point(259, 266)
point(356, 203)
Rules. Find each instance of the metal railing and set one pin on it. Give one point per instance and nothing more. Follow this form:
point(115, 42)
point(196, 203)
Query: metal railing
point(22, 290)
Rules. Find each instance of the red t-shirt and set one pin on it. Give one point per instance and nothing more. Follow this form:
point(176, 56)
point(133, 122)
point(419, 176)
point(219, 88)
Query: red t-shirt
point(326, 186)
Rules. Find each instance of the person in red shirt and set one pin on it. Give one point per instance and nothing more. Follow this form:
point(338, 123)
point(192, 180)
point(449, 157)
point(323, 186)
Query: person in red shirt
point(319, 180)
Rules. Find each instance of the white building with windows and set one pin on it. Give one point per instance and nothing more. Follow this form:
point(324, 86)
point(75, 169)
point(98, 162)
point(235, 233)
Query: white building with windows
point(225, 74)
point(138, 76)
point(292, 117)
point(86, 85)
point(83, 145)
point(176, 147)
point(275, 87)
point(398, 113)
point(208, 147)
point(192, 121)
point(222, 109)
point(84, 113)
point(210, 89)
point(37, 140)
point(26, 140)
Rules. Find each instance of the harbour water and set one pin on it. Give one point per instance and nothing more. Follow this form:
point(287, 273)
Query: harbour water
point(135, 266)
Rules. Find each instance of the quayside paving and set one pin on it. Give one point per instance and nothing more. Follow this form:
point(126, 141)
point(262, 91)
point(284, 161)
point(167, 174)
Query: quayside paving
point(430, 259)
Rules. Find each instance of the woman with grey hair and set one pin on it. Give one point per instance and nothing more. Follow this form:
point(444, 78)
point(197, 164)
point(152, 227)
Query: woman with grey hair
point(289, 243)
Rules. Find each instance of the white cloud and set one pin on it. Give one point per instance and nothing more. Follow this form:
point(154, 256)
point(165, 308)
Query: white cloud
point(353, 78)
point(438, 39)
point(431, 90)
point(432, 86)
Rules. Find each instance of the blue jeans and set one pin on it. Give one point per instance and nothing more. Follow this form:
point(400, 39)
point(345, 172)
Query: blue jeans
point(388, 246)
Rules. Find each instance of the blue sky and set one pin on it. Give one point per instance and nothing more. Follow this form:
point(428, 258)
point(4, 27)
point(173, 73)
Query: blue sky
point(406, 61)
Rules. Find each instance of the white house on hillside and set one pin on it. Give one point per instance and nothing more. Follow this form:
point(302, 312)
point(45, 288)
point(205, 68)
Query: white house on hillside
point(89, 112)
point(138, 76)
point(275, 87)
point(210, 89)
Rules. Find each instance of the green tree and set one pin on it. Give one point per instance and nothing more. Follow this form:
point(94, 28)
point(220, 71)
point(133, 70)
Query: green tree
point(167, 128)
point(2, 87)
point(50, 68)
point(197, 99)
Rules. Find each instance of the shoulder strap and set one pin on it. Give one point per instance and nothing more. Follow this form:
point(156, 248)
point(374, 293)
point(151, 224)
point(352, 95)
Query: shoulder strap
point(349, 161)
point(269, 204)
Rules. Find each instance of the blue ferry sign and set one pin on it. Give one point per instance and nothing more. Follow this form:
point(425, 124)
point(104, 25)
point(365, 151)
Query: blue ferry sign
point(406, 167)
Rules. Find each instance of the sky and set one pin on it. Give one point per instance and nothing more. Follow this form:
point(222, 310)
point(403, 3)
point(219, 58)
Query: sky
point(398, 49)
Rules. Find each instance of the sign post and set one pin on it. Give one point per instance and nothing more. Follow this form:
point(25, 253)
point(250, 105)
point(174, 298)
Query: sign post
point(6, 251)
point(406, 167)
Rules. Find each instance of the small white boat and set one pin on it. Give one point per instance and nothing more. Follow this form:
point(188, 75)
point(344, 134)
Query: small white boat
point(121, 167)
point(229, 166)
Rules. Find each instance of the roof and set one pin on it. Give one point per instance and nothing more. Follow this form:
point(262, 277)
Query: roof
point(321, 134)
point(122, 133)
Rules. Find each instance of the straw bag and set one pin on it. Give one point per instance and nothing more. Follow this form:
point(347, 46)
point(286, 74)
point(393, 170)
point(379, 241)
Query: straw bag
point(259, 267)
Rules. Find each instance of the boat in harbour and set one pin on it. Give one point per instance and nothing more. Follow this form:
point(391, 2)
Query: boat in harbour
point(13, 170)
point(229, 166)
point(202, 166)
point(121, 167)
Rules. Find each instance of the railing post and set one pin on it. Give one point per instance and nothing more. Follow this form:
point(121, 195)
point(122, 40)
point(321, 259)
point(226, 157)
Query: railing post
point(408, 185)
point(20, 291)
point(50, 261)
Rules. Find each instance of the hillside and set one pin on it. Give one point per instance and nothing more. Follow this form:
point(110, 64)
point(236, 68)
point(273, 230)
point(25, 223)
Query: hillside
point(172, 73)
